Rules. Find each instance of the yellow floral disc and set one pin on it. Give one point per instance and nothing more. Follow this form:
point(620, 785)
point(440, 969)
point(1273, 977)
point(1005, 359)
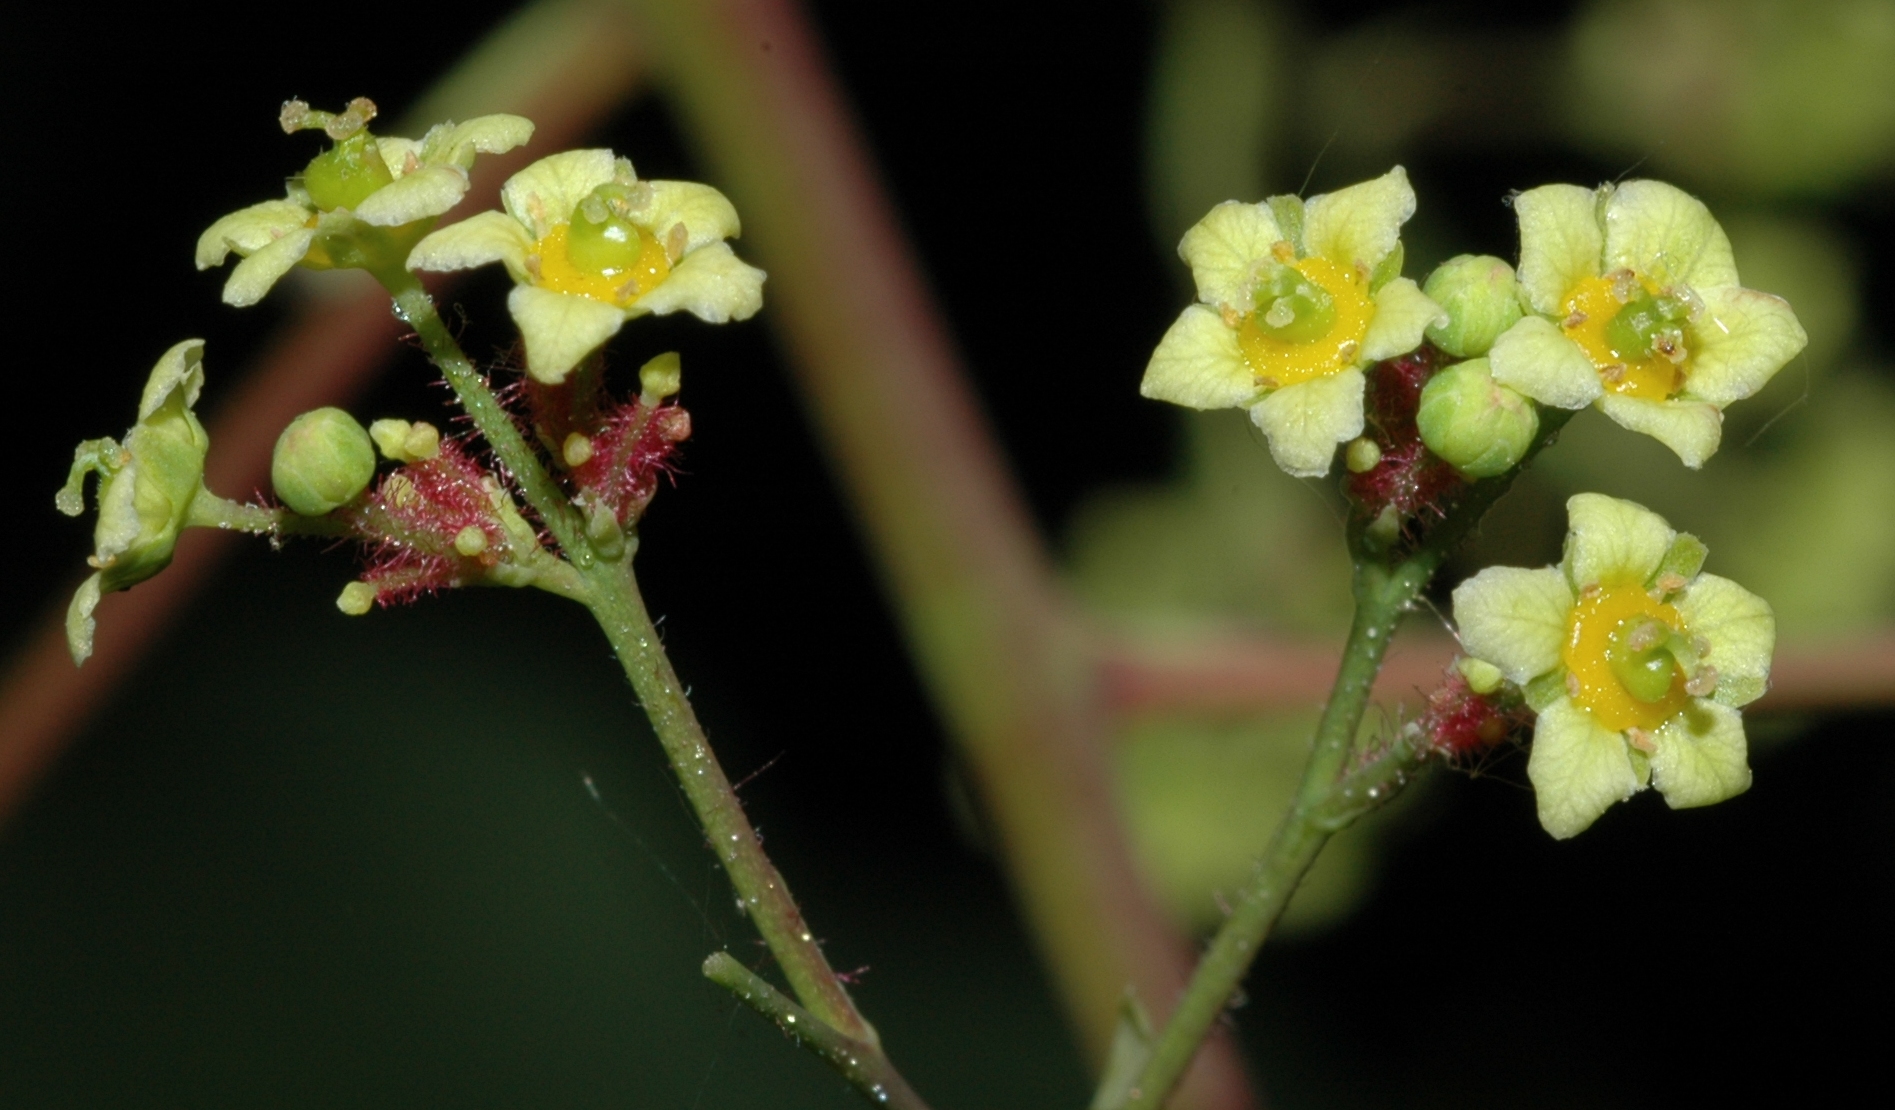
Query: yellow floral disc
point(616, 286)
point(1277, 363)
point(1592, 305)
point(1596, 617)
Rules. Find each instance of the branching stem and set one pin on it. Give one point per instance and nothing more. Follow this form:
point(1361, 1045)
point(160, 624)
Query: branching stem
point(610, 590)
point(1332, 793)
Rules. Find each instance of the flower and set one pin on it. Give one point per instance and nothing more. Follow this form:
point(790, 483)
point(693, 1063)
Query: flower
point(590, 246)
point(146, 487)
point(361, 204)
point(1295, 299)
point(1636, 663)
point(1636, 307)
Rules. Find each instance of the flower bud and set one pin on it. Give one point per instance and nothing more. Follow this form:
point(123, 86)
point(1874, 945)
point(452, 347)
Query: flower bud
point(661, 377)
point(403, 442)
point(1481, 300)
point(1480, 427)
point(323, 460)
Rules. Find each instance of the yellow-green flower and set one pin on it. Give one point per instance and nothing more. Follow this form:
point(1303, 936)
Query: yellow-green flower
point(146, 487)
point(1636, 308)
point(1636, 663)
point(591, 246)
point(357, 203)
point(1295, 298)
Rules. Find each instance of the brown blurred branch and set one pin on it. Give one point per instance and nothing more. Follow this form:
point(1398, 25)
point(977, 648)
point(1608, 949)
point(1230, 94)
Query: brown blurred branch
point(996, 640)
point(566, 64)
point(1234, 673)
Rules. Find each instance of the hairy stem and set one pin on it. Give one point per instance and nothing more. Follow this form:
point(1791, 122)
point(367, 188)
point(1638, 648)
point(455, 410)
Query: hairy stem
point(621, 612)
point(610, 590)
point(862, 1065)
point(416, 308)
point(1332, 794)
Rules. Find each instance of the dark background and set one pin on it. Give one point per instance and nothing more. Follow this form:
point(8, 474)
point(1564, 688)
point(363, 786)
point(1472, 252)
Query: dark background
point(431, 857)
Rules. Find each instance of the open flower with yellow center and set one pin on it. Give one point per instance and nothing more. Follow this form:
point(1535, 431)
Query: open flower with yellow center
point(1639, 311)
point(361, 204)
point(1636, 662)
point(1295, 298)
point(591, 246)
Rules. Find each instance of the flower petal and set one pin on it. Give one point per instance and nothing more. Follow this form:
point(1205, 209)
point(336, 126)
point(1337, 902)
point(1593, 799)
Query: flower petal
point(1199, 364)
point(1534, 358)
point(1741, 630)
point(1304, 422)
point(1579, 769)
point(712, 284)
point(1560, 243)
point(560, 329)
point(421, 195)
point(396, 151)
point(1692, 429)
point(1359, 225)
point(1666, 234)
point(80, 626)
point(1701, 757)
point(1610, 542)
point(545, 193)
point(180, 369)
point(1224, 248)
point(1741, 341)
point(1515, 619)
point(456, 144)
point(1402, 313)
point(249, 230)
point(707, 215)
point(481, 238)
point(252, 277)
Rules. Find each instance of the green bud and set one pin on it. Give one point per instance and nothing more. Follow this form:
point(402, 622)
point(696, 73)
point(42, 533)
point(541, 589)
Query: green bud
point(1482, 677)
point(323, 460)
point(403, 442)
point(146, 487)
point(1480, 297)
point(344, 175)
point(1479, 426)
point(662, 377)
point(356, 599)
point(1362, 455)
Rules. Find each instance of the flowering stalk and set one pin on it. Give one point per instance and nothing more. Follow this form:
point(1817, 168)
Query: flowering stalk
point(608, 587)
point(1333, 793)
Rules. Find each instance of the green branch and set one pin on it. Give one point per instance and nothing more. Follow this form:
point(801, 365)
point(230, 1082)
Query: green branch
point(1332, 794)
point(863, 1065)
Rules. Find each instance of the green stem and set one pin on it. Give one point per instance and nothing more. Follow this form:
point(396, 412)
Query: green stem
point(416, 308)
point(608, 587)
point(861, 1064)
point(621, 611)
point(1328, 799)
point(211, 511)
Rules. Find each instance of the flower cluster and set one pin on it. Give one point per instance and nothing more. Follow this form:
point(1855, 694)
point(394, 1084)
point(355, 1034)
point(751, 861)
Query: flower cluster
point(1636, 662)
point(443, 521)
